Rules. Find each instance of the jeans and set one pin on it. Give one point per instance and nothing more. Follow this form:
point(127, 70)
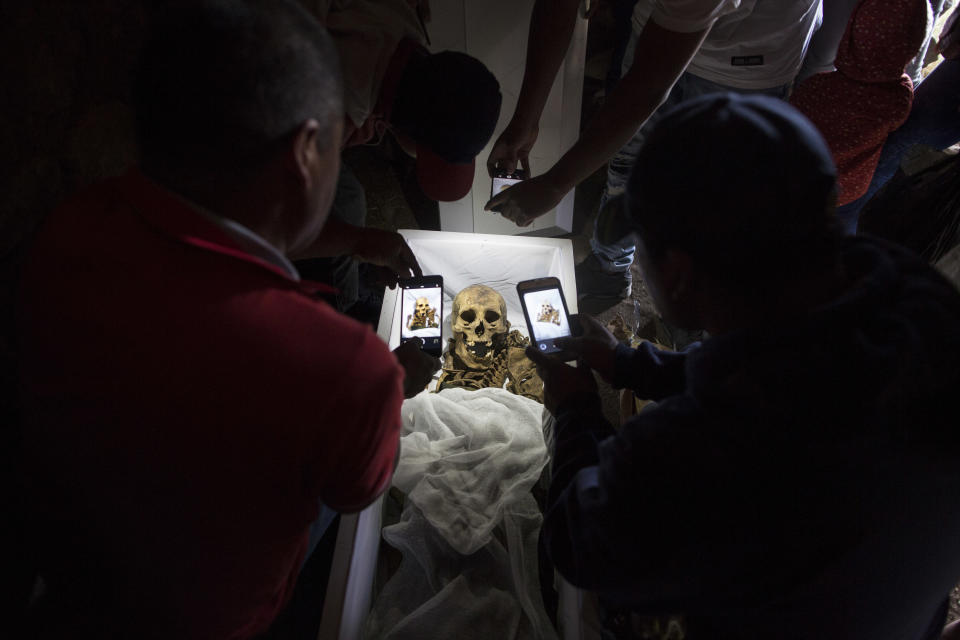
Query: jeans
point(934, 121)
point(617, 256)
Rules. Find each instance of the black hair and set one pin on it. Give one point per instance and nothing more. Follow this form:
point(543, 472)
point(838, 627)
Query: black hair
point(752, 205)
point(221, 82)
point(449, 102)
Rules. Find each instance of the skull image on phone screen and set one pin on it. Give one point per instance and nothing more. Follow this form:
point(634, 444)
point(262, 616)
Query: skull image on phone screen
point(421, 313)
point(548, 319)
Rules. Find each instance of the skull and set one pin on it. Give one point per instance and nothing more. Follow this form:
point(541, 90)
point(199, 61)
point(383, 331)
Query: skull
point(423, 306)
point(479, 320)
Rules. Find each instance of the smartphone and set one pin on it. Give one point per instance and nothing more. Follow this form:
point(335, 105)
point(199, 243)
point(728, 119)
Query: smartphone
point(545, 310)
point(503, 180)
point(421, 311)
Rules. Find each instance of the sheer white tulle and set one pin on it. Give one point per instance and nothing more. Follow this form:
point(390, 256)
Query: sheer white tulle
point(469, 527)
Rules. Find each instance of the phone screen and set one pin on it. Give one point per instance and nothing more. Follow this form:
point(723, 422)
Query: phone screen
point(500, 183)
point(548, 317)
point(422, 314)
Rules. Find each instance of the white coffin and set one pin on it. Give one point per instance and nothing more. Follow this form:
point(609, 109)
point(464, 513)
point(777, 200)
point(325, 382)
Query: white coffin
point(462, 259)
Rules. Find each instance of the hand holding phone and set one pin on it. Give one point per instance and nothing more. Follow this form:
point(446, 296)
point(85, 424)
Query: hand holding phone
point(503, 180)
point(421, 312)
point(593, 345)
point(418, 366)
point(545, 310)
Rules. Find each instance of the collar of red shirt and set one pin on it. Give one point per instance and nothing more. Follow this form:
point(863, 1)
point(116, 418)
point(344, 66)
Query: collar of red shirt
point(169, 214)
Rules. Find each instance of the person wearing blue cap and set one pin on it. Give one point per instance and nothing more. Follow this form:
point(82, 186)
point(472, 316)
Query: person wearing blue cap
point(797, 477)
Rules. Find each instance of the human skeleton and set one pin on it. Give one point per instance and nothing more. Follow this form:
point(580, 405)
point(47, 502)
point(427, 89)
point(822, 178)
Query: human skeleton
point(548, 314)
point(483, 351)
point(423, 316)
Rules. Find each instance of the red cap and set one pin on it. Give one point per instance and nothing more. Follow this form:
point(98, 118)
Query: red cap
point(442, 180)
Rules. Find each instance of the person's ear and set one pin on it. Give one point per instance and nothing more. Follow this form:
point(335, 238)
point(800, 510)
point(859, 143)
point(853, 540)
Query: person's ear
point(305, 152)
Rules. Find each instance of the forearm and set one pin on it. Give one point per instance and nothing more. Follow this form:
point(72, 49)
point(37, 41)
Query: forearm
point(609, 130)
point(551, 27)
point(660, 58)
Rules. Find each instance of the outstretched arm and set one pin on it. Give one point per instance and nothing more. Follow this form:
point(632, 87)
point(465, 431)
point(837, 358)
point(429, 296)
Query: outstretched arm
point(383, 248)
point(660, 57)
point(551, 27)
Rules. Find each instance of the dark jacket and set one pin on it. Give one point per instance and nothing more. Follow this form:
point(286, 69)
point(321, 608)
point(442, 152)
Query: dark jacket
point(800, 481)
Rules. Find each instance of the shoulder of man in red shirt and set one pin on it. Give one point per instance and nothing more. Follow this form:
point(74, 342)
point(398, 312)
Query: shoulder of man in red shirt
point(190, 403)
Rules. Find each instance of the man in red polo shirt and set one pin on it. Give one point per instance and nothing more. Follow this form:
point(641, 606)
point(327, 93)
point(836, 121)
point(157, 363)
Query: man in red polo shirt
point(188, 402)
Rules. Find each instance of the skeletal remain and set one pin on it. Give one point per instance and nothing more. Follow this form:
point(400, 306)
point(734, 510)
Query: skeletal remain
point(483, 352)
point(423, 316)
point(479, 323)
point(548, 314)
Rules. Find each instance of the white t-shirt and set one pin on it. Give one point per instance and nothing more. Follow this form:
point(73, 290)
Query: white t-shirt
point(753, 44)
point(366, 34)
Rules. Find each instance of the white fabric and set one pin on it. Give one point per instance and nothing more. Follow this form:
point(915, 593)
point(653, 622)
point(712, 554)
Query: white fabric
point(366, 34)
point(439, 593)
point(469, 528)
point(465, 456)
point(778, 30)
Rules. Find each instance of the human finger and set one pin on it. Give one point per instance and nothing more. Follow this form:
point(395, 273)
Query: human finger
point(524, 160)
point(503, 157)
point(413, 344)
point(496, 202)
point(512, 211)
point(432, 363)
point(542, 360)
point(383, 276)
point(591, 326)
point(410, 260)
point(570, 344)
point(492, 160)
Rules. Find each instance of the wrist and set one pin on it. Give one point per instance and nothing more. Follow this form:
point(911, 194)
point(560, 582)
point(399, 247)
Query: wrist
point(523, 121)
point(555, 180)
